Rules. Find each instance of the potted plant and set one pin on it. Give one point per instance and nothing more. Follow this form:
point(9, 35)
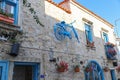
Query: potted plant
point(6, 17)
point(90, 44)
point(118, 68)
point(62, 66)
point(109, 44)
point(88, 68)
point(77, 68)
point(106, 69)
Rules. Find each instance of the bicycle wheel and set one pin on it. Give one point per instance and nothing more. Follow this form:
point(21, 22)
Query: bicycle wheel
point(58, 31)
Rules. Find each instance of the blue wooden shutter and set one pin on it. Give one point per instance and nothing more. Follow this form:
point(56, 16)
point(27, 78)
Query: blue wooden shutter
point(88, 32)
point(113, 74)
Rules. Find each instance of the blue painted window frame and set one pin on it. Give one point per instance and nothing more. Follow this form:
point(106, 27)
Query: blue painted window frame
point(88, 33)
point(113, 76)
point(36, 67)
point(97, 68)
point(4, 70)
point(105, 36)
point(15, 6)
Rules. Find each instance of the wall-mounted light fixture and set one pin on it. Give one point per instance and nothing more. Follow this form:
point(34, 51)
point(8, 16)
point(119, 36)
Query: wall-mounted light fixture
point(51, 55)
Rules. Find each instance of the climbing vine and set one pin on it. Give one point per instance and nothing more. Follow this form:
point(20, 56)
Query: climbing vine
point(32, 11)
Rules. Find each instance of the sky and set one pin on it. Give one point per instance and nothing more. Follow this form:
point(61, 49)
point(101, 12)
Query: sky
point(107, 9)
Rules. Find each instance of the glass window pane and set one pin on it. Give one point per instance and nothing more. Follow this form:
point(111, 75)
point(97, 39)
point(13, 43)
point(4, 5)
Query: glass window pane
point(9, 9)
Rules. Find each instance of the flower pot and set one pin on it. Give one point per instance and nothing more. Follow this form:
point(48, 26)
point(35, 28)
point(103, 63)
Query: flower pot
point(77, 69)
point(6, 19)
point(61, 69)
point(106, 69)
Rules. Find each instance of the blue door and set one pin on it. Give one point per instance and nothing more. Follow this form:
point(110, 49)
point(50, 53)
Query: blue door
point(95, 72)
point(3, 70)
point(30, 70)
point(113, 74)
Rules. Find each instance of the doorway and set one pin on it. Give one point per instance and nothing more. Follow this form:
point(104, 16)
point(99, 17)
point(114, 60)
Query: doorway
point(3, 70)
point(26, 71)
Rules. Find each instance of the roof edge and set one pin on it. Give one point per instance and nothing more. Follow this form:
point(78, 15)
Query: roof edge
point(93, 14)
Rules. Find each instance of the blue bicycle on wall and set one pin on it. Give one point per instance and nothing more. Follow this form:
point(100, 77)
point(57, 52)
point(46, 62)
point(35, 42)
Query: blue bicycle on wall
point(62, 30)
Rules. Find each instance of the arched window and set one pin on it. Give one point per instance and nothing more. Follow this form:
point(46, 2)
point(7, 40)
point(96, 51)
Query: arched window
point(93, 71)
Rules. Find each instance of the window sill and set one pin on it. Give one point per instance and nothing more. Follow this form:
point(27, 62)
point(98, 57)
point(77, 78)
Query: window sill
point(9, 26)
point(91, 47)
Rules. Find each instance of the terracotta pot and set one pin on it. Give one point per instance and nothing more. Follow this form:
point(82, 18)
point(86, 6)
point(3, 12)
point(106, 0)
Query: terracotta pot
point(6, 19)
point(106, 69)
point(77, 69)
point(61, 69)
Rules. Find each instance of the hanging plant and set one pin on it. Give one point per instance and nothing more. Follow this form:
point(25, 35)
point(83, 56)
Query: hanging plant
point(31, 9)
point(109, 44)
point(62, 66)
point(77, 68)
point(106, 69)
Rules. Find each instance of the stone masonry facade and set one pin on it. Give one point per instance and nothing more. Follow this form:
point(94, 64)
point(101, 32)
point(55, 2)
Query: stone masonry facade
point(37, 40)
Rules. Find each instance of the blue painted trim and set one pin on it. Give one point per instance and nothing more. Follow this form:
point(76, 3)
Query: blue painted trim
point(25, 63)
point(113, 76)
point(16, 11)
point(88, 32)
point(6, 69)
point(93, 61)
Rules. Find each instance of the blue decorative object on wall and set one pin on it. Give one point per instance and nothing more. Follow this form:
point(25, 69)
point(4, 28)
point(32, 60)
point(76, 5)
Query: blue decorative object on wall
point(62, 30)
point(42, 76)
point(96, 72)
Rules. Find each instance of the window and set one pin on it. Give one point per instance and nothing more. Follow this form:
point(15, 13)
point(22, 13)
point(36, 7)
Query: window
point(105, 36)
point(10, 6)
point(88, 33)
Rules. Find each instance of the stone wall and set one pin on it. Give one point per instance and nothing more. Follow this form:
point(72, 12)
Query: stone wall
point(37, 41)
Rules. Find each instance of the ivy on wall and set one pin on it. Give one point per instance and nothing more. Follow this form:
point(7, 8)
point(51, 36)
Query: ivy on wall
point(32, 11)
